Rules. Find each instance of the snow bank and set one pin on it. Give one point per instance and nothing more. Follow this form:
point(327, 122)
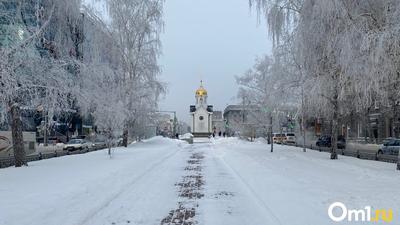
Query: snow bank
point(186, 136)
point(162, 141)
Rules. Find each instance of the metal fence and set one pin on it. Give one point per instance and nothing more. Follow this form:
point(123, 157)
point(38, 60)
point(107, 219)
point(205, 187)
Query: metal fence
point(357, 153)
point(10, 161)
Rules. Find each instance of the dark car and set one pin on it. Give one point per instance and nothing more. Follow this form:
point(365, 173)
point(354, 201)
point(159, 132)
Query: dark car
point(326, 141)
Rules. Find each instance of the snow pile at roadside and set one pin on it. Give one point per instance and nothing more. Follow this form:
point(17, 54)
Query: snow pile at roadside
point(161, 141)
point(186, 136)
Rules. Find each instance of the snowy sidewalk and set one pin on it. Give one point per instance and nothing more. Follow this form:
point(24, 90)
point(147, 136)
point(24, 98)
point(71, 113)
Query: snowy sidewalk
point(291, 187)
point(135, 186)
point(162, 181)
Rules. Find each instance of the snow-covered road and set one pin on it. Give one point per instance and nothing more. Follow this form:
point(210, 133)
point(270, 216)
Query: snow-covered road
point(225, 181)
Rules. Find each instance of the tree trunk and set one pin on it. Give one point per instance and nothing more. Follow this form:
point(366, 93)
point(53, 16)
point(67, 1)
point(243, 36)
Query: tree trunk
point(303, 127)
point(45, 136)
point(304, 135)
point(125, 137)
point(17, 136)
point(395, 132)
point(334, 133)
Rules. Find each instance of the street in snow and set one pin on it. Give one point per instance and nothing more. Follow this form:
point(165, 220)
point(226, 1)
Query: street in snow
point(215, 182)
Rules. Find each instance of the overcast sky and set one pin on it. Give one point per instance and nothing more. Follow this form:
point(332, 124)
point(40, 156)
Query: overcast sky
point(209, 40)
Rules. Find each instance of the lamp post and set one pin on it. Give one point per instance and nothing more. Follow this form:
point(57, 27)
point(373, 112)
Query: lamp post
point(270, 112)
point(271, 133)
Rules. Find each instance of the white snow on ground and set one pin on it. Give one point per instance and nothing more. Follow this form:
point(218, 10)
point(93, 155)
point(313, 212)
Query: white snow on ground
point(292, 187)
point(245, 184)
point(78, 189)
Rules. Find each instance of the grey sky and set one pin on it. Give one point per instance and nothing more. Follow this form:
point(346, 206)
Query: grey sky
point(209, 40)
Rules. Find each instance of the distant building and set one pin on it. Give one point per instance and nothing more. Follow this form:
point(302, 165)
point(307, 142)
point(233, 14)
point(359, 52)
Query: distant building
point(201, 114)
point(243, 120)
point(218, 122)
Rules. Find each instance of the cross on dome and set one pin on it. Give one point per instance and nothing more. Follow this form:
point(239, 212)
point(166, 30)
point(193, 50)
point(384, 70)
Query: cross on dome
point(201, 91)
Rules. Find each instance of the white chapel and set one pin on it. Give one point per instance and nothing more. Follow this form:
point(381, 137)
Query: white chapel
point(201, 114)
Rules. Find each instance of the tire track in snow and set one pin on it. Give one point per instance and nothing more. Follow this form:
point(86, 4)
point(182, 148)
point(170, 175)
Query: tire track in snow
point(256, 198)
point(113, 197)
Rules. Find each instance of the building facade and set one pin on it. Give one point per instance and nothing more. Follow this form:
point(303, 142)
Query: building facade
point(243, 120)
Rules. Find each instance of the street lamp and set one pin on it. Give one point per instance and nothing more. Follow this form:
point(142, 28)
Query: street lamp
point(267, 110)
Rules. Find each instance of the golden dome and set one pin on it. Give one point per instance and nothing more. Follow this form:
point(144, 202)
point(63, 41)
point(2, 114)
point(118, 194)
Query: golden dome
point(201, 91)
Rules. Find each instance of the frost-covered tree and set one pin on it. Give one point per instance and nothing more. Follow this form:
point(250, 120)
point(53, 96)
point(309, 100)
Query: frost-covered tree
point(346, 53)
point(123, 64)
point(268, 86)
point(58, 54)
point(136, 25)
point(109, 111)
point(32, 75)
point(280, 15)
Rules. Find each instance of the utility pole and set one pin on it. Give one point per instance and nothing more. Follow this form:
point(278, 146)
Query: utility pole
point(271, 134)
point(175, 121)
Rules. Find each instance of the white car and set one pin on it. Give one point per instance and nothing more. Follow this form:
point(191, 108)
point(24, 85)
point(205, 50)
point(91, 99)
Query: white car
point(76, 145)
point(290, 138)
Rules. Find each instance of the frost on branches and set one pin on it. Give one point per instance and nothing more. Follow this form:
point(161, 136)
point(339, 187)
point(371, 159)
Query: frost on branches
point(345, 56)
point(60, 56)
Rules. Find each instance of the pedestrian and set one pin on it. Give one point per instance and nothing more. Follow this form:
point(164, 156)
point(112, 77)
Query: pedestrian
point(224, 134)
point(219, 133)
point(177, 136)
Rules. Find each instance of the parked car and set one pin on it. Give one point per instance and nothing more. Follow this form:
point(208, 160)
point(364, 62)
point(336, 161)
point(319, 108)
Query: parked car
point(91, 145)
point(279, 138)
point(391, 147)
point(290, 138)
point(100, 144)
point(326, 141)
point(75, 145)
